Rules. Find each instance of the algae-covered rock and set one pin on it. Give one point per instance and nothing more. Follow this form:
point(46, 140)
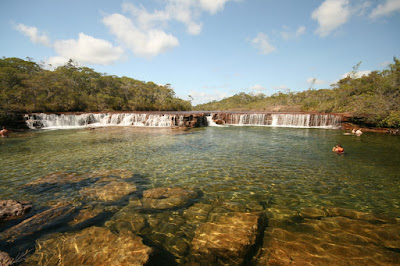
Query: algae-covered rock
point(91, 246)
point(166, 198)
point(110, 192)
point(228, 240)
point(12, 209)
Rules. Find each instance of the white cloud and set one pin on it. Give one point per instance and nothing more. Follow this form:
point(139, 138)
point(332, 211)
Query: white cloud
point(205, 97)
point(144, 32)
point(330, 15)
point(357, 74)
point(213, 6)
point(386, 8)
point(291, 35)
point(258, 88)
point(33, 34)
point(86, 49)
point(183, 11)
point(145, 43)
point(261, 43)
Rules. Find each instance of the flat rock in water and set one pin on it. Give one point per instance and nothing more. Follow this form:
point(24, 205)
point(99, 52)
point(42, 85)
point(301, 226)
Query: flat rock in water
point(37, 222)
point(111, 192)
point(5, 259)
point(332, 240)
point(166, 198)
point(86, 214)
point(91, 246)
point(12, 209)
point(125, 219)
point(228, 240)
point(59, 178)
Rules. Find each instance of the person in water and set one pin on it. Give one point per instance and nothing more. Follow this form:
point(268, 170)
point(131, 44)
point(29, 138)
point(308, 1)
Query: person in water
point(4, 133)
point(338, 148)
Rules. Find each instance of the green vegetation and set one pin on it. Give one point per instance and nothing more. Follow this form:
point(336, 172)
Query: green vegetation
point(26, 86)
point(373, 100)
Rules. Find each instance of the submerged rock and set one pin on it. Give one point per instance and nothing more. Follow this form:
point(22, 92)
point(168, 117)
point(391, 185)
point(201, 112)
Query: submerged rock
point(166, 198)
point(324, 237)
point(111, 192)
point(86, 214)
point(198, 213)
point(5, 259)
point(121, 173)
point(37, 222)
point(91, 246)
point(12, 209)
point(126, 220)
point(228, 240)
point(59, 178)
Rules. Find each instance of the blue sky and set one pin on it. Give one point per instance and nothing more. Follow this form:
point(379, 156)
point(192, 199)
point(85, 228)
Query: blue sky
point(209, 49)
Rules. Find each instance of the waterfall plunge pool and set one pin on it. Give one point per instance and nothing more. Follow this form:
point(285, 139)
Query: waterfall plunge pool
point(282, 172)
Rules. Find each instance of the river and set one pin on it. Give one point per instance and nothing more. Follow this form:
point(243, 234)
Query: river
point(244, 168)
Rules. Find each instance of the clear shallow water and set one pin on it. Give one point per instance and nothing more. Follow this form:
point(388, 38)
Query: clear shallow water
point(287, 167)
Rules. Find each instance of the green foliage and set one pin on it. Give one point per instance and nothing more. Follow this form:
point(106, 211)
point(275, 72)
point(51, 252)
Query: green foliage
point(373, 99)
point(26, 86)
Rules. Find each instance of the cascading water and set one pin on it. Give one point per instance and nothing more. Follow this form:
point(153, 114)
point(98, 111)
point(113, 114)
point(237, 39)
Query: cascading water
point(306, 120)
point(280, 120)
point(54, 121)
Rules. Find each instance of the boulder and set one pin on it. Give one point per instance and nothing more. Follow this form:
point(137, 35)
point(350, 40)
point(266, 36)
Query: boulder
point(166, 198)
point(12, 209)
point(110, 192)
point(227, 241)
point(38, 222)
point(91, 246)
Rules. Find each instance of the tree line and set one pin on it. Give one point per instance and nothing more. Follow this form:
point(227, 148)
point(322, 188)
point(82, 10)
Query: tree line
point(373, 99)
point(26, 86)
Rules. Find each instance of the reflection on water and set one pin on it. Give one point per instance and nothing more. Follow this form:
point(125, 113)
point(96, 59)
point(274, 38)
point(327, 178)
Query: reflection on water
point(184, 191)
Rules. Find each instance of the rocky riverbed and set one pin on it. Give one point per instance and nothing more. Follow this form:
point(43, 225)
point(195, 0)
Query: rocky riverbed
point(113, 220)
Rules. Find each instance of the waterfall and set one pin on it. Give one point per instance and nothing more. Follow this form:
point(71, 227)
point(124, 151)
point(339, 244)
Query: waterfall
point(58, 121)
point(306, 120)
point(54, 121)
point(280, 120)
point(211, 123)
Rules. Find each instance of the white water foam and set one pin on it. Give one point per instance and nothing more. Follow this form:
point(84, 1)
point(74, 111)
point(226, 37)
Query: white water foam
point(211, 123)
point(284, 120)
point(64, 121)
